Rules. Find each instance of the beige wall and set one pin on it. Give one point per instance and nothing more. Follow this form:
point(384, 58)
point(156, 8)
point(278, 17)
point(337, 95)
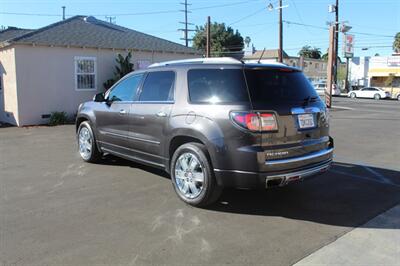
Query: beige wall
point(46, 81)
point(8, 94)
point(314, 69)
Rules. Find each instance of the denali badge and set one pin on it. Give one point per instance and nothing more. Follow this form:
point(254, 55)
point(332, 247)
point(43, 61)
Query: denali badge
point(277, 153)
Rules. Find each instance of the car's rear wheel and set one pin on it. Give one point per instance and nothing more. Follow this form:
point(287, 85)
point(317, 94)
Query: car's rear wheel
point(192, 175)
point(377, 96)
point(87, 143)
point(353, 95)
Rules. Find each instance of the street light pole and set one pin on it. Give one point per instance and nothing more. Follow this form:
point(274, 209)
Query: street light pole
point(280, 52)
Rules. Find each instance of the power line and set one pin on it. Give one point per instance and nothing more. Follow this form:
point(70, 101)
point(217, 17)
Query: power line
point(225, 5)
point(131, 14)
point(325, 28)
point(247, 16)
point(30, 14)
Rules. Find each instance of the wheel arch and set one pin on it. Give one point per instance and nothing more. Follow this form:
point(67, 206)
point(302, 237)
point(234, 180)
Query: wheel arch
point(183, 136)
point(82, 118)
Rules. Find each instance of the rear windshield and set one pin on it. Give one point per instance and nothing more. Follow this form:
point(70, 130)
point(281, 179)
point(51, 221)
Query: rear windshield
point(275, 85)
point(223, 86)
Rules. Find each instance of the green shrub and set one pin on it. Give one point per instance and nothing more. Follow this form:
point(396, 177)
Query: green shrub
point(58, 118)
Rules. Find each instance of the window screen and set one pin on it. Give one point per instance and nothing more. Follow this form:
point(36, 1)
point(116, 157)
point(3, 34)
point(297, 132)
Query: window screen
point(217, 86)
point(85, 73)
point(158, 86)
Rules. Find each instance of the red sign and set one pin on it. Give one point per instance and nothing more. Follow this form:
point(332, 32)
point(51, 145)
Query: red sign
point(349, 45)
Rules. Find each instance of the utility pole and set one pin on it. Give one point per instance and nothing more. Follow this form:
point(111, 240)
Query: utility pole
point(63, 14)
point(330, 68)
point(186, 29)
point(280, 52)
point(111, 19)
point(208, 42)
point(336, 40)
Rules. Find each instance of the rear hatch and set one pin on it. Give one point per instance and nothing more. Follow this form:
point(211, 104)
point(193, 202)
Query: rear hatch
point(302, 122)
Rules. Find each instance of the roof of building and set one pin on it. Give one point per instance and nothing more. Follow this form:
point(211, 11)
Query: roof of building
point(268, 54)
point(11, 33)
point(89, 32)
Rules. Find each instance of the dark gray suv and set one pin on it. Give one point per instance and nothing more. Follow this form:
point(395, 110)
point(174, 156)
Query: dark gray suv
point(211, 123)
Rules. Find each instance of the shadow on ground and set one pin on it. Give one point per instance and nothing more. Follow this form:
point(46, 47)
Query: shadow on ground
point(348, 195)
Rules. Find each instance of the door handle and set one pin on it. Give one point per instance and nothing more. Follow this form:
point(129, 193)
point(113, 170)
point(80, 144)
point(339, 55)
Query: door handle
point(122, 112)
point(161, 114)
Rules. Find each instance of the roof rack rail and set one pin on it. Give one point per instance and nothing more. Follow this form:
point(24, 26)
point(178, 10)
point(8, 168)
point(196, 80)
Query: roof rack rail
point(212, 60)
point(254, 61)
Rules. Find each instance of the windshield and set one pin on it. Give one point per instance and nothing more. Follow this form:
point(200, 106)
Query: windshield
point(278, 86)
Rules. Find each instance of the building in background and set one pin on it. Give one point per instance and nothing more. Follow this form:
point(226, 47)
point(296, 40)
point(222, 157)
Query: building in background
point(376, 71)
point(314, 69)
point(57, 67)
point(358, 72)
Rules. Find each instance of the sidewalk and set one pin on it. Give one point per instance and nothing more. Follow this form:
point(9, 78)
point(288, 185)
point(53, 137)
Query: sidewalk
point(375, 243)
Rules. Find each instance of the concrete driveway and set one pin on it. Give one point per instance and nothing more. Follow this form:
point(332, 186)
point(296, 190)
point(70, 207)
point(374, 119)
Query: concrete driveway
point(56, 209)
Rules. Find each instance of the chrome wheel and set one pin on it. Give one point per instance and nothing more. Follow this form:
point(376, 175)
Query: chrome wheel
point(189, 175)
point(353, 95)
point(85, 143)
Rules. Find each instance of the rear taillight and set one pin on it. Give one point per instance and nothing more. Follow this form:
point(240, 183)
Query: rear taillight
point(255, 121)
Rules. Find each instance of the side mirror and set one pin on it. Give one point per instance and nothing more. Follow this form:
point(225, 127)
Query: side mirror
point(99, 97)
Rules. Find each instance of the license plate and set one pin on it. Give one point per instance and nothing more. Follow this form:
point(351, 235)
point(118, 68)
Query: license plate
point(306, 121)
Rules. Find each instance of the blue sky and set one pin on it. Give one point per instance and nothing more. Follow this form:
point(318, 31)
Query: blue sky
point(372, 21)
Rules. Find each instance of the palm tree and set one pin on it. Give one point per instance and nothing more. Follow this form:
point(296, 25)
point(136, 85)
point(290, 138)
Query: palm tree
point(396, 43)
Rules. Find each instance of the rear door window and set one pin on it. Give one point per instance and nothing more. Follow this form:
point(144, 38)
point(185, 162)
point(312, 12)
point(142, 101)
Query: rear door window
point(158, 87)
point(223, 86)
point(278, 86)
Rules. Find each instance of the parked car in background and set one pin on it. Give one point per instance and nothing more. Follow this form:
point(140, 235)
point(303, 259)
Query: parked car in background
point(320, 88)
point(369, 92)
point(211, 123)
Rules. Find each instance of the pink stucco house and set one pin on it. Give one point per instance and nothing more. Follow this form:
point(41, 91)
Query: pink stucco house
point(57, 67)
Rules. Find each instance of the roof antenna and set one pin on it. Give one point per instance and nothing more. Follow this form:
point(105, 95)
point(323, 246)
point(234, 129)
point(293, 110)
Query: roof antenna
point(262, 54)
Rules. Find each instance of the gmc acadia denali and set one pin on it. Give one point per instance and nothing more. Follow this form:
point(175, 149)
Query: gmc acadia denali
point(211, 123)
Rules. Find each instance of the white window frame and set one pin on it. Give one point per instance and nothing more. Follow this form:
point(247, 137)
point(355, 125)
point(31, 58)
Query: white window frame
point(76, 59)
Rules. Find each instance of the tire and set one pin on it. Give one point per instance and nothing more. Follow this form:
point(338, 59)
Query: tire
point(398, 97)
point(353, 95)
point(87, 143)
point(193, 177)
point(377, 97)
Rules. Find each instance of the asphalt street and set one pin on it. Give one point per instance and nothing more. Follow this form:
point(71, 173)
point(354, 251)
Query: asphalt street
point(56, 209)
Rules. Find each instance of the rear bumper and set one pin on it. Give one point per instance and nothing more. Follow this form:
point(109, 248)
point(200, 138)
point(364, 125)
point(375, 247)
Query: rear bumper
point(316, 163)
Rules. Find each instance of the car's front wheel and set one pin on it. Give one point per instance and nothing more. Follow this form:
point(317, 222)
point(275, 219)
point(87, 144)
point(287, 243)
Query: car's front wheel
point(377, 96)
point(192, 175)
point(398, 97)
point(87, 143)
point(353, 95)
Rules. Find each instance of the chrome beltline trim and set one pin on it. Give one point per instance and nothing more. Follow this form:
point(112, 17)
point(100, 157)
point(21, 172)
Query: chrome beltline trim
point(300, 158)
point(129, 137)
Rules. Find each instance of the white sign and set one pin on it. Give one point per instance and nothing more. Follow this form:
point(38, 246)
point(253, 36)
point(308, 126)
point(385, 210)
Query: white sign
point(349, 45)
point(393, 61)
